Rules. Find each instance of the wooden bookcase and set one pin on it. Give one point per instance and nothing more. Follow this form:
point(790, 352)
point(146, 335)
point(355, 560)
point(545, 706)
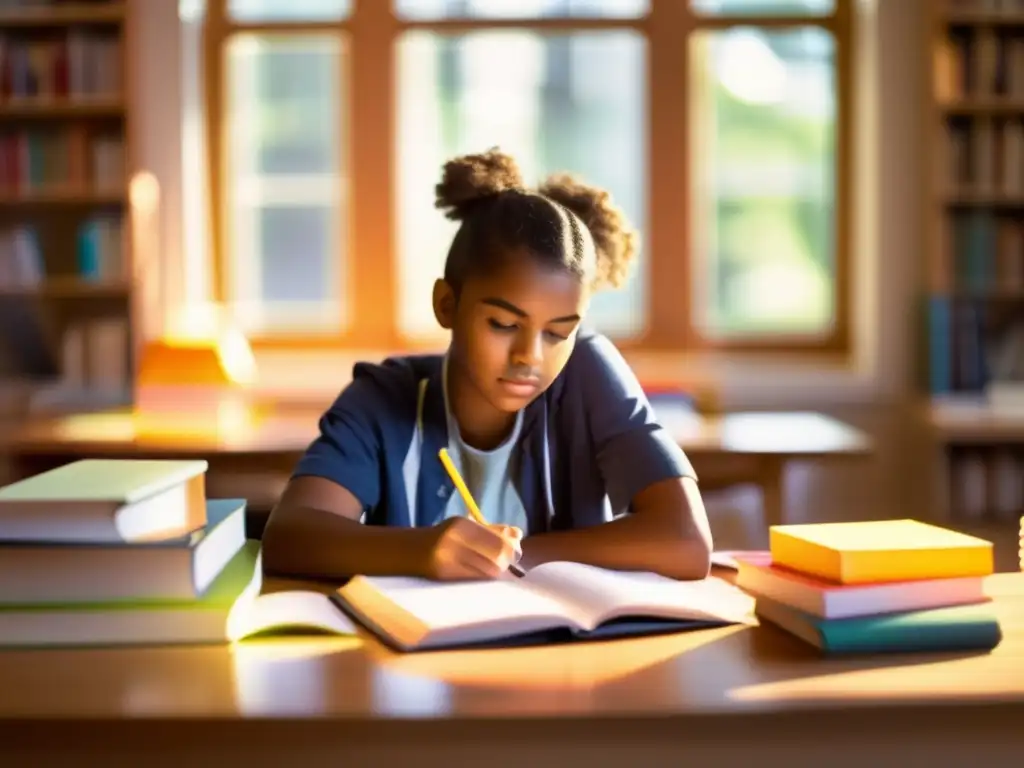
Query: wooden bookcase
point(974, 254)
point(65, 255)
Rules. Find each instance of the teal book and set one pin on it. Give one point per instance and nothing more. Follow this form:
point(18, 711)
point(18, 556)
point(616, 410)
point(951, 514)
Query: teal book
point(956, 628)
point(203, 620)
point(89, 252)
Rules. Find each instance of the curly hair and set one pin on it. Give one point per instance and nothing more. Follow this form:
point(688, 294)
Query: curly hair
point(564, 221)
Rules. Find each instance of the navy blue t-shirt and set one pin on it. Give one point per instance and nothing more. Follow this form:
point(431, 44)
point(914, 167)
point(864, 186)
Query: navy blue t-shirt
point(585, 447)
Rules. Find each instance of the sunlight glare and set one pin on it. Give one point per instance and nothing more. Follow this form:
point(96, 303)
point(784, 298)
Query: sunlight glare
point(750, 70)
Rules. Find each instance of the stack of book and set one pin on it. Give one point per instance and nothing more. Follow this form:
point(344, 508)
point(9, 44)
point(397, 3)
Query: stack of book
point(106, 552)
point(875, 587)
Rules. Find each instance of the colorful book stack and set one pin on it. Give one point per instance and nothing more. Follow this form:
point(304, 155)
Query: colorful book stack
point(107, 552)
point(875, 587)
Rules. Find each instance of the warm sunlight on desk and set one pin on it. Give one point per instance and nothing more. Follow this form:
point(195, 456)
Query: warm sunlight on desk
point(968, 677)
point(293, 676)
point(579, 666)
point(95, 428)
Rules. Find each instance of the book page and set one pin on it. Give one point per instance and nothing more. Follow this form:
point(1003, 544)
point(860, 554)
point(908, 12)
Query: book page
point(441, 606)
point(253, 614)
point(603, 594)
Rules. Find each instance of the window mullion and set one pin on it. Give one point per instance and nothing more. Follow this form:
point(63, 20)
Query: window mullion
point(371, 253)
point(215, 29)
point(669, 235)
point(843, 235)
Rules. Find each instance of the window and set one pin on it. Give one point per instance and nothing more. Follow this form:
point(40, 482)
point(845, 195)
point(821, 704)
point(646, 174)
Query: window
point(284, 190)
point(578, 102)
point(718, 125)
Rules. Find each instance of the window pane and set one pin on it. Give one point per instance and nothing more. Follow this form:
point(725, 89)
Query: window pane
point(766, 8)
point(574, 102)
point(765, 154)
point(519, 9)
point(285, 217)
point(288, 10)
point(298, 240)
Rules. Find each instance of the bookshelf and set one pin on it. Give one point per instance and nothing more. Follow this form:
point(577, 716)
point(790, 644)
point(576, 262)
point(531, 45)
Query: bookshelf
point(65, 257)
point(974, 255)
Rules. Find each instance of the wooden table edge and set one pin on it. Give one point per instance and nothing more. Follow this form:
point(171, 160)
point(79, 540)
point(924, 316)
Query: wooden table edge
point(974, 710)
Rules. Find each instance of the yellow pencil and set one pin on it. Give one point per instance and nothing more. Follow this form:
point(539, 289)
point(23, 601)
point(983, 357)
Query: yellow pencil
point(460, 485)
point(467, 498)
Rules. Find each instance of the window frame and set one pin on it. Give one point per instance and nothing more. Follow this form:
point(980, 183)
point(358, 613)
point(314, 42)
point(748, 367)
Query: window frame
point(372, 30)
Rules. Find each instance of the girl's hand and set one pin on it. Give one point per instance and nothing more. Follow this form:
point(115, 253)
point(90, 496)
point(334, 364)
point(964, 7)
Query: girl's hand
point(461, 549)
point(508, 530)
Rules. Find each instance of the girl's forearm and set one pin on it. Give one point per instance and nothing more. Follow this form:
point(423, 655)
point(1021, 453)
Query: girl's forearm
point(302, 542)
point(634, 542)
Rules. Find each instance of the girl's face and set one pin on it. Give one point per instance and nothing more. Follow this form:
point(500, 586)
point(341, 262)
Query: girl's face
point(513, 330)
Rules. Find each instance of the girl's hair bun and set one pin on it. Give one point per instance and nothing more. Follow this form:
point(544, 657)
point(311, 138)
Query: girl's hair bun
point(615, 240)
point(469, 179)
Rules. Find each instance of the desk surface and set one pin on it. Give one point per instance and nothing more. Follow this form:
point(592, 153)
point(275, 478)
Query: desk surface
point(790, 435)
point(723, 671)
point(735, 696)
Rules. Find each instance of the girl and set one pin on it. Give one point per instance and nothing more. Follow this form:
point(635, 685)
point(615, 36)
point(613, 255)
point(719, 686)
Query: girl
point(545, 420)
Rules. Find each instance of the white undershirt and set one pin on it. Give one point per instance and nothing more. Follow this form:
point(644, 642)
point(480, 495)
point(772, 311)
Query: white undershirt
point(488, 474)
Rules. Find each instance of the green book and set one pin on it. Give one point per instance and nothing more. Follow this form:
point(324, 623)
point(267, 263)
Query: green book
point(956, 628)
point(140, 622)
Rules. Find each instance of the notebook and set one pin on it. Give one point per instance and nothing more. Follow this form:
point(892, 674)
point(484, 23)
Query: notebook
point(134, 622)
point(106, 500)
point(836, 601)
point(178, 569)
point(554, 602)
point(958, 628)
point(879, 551)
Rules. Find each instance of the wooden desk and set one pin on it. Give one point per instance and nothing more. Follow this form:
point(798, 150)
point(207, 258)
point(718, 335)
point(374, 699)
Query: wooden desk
point(751, 448)
point(735, 696)
point(756, 448)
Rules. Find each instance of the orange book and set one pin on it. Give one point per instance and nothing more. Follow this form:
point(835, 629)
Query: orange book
point(879, 551)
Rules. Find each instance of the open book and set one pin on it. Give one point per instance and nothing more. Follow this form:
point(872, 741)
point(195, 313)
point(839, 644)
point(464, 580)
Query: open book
point(553, 602)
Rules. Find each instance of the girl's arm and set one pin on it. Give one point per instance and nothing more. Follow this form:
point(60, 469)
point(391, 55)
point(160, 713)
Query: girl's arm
point(667, 533)
point(315, 531)
point(644, 471)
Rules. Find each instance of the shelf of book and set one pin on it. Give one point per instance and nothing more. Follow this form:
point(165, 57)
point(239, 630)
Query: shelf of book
point(21, 14)
point(65, 257)
point(974, 255)
point(58, 109)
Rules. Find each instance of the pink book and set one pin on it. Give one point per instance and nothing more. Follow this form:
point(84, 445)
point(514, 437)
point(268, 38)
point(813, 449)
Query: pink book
point(727, 558)
point(827, 600)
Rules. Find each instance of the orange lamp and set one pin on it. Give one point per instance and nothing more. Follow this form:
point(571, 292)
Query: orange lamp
point(195, 384)
point(194, 368)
